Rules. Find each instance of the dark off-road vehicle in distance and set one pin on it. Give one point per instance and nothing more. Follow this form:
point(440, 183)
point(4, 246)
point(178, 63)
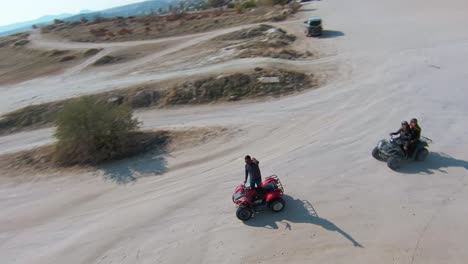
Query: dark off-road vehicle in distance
point(391, 151)
point(313, 26)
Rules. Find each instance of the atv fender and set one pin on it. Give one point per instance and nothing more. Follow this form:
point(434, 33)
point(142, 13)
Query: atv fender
point(243, 200)
point(273, 195)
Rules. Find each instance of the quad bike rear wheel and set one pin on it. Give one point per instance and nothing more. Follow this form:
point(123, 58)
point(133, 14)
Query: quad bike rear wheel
point(422, 154)
point(277, 205)
point(244, 213)
point(394, 162)
point(375, 154)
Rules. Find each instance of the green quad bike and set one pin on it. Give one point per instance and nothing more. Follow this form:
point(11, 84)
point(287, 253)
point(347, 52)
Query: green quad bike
point(391, 151)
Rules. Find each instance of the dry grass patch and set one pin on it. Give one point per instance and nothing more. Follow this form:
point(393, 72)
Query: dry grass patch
point(150, 27)
point(262, 41)
point(20, 63)
point(201, 90)
point(43, 159)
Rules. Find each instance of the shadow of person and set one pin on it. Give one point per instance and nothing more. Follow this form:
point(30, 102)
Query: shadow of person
point(436, 161)
point(331, 34)
point(296, 211)
point(332, 227)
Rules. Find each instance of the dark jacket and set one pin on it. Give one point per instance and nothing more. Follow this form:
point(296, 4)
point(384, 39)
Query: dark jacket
point(253, 170)
point(405, 135)
point(415, 134)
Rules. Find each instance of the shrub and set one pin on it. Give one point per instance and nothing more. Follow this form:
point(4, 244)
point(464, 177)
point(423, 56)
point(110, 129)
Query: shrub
point(249, 4)
point(266, 2)
point(175, 16)
point(98, 19)
point(215, 3)
point(278, 18)
point(98, 32)
point(239, 8)
point(279, 2)
point(91, 52)
point(273, 2)
point(90, 131)
point(125, 31)
point(67, 58)
point(295, 6)
point(105, 60)
point(21, 42)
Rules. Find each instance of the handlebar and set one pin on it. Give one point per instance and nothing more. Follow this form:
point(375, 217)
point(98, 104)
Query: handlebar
point(428, 140)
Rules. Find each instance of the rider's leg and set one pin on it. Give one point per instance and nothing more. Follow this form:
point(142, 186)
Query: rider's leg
point(252, 183)
point(258, 182)
point(406, 149)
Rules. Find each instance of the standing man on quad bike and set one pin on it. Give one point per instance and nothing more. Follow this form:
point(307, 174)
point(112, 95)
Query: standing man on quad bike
point(252, 169)
point(405, 136)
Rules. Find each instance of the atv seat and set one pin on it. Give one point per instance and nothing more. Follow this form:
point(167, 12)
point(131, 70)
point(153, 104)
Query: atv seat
point(261, 192)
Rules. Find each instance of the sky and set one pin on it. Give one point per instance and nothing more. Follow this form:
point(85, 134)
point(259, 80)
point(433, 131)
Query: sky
point(13, 11)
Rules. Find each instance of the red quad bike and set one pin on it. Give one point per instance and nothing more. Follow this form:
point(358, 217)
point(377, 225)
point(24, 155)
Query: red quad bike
point(250, 200)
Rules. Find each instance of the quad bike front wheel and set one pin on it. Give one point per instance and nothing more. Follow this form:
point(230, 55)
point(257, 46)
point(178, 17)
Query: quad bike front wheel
point(394, 162)
point(277, 205)
point(244, 213)
point(375, 154)
point(422, 154)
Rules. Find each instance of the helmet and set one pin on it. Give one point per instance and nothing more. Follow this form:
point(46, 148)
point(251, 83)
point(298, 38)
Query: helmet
point(414, 120)
point(404, 123)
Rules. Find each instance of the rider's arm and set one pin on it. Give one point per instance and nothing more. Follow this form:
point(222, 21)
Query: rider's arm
point(246, 174)
point(396, 133)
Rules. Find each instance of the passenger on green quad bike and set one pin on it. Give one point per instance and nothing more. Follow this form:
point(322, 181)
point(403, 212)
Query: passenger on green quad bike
point(415, 133)
point(405, 137)
point(415, 129)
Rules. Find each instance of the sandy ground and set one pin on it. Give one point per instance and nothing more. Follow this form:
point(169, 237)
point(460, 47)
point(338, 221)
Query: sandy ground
point(397, 59)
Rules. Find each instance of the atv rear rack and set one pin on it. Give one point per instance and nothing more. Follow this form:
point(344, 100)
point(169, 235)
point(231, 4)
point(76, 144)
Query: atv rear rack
point(280, 185)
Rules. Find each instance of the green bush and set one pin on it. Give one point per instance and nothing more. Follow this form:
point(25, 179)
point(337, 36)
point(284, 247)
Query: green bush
point(238, 8)
point(272, 2)
point(105, 60)
point(91, 131)
point(249, 4)
point(215, 3)
point(295, 6)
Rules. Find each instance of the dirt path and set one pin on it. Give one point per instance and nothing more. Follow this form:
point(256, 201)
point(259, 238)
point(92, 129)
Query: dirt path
point(396, 62)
